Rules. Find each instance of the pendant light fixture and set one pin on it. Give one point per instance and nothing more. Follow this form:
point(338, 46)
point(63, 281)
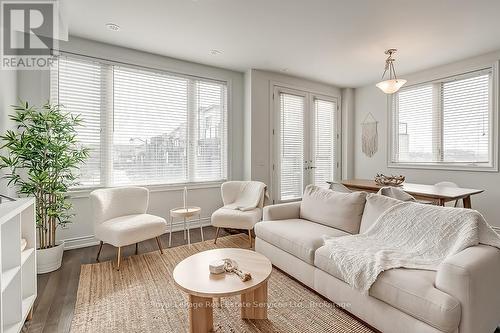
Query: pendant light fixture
point(393, 84)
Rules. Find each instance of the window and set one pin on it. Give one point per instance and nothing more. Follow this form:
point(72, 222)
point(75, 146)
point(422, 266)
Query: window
point(80, 86)
point(292, 109)
point(446, 123)
point(305, 142)
point(144, 126)
point(324, 136)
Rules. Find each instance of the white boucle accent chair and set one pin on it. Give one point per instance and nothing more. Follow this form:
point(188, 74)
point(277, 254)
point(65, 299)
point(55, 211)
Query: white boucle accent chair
point(234, 218)
point(120, 218)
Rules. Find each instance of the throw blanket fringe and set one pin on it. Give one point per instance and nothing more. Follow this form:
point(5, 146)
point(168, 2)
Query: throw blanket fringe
point(408, 235)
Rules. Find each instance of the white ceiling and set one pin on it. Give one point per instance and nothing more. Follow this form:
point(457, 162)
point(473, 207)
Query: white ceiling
point(336, 41)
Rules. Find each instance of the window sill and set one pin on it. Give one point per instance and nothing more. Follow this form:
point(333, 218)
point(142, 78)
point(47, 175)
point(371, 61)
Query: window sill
point(448, 167)
point(85, 192)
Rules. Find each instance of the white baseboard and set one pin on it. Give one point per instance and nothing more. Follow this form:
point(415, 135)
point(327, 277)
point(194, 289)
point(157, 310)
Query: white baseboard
point(79, 242)
point(90, 240)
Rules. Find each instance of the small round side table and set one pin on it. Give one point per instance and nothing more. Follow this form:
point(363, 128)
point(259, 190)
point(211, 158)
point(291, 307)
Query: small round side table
point(185, 213)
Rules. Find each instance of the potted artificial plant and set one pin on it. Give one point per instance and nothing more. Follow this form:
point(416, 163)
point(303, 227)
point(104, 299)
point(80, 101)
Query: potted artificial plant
point(41, 156)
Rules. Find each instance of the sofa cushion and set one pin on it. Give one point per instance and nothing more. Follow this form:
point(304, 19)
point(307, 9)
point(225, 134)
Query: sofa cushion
point(298, 237)
point(409, 290)
point(338, 210)
point(375, 205)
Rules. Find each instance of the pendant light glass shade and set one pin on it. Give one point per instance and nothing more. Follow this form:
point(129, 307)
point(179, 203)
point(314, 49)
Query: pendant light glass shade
point(390, 86)
point(393, 84)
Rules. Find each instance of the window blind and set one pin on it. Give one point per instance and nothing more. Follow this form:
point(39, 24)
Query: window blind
point(209, 153)
point(292, 108)
point(324, 137)
point(414, 119)
point(466, 120)
point(79, 86)
point(150, 127)
point(444, 122)
point(144, 126)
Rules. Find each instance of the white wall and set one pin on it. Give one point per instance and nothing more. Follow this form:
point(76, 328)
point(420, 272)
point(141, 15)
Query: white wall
point(34, 86)
point(371, 99)
point(348, 125)
point(247, 127)
point(8, 97)
point(259, 110)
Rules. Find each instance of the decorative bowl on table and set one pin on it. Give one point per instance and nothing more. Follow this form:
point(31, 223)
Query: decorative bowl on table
point(383, 180)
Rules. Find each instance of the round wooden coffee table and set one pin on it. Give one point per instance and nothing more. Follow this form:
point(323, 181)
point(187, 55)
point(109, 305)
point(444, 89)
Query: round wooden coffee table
point(192, 276)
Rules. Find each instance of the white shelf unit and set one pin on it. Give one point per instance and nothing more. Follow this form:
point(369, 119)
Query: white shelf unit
point(17, 268)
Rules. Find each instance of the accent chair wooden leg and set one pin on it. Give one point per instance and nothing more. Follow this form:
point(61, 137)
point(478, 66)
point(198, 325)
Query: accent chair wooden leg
point(99, 251)
point(201, 227)
point(250, 237)
point(170, 233)
point(216, 235)
point(118, 259)
point(136, 248)
point(30, 314)
point(159, 244)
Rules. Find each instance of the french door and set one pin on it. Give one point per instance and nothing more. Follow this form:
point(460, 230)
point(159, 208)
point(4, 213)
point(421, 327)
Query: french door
point(306, 142)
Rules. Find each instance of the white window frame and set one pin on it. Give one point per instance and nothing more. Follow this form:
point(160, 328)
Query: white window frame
point(493, 126)
point(82, 191)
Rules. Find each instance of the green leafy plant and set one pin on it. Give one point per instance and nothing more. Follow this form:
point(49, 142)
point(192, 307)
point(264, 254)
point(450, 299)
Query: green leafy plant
point(42, 155)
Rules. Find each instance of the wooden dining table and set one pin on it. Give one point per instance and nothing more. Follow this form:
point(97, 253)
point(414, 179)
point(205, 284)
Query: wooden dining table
point(436, 194)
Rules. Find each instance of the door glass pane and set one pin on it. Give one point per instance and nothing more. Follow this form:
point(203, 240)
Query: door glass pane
point(324, 142)
point(292, 146)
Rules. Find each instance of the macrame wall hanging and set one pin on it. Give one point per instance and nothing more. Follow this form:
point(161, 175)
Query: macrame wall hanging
point(369, 135)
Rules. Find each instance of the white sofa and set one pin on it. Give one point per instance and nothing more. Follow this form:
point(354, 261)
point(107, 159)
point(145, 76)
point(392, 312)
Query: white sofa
point(462, 296)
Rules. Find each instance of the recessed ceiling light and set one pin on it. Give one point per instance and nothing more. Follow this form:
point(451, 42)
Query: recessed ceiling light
point(284, 69)
point(113, 27)
point(215, 52)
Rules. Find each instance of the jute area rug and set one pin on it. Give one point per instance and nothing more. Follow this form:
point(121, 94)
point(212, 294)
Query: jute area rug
point(142, 297)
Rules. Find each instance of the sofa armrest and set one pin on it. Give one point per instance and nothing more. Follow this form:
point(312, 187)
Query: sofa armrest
point(289, 210)
point(472, 276)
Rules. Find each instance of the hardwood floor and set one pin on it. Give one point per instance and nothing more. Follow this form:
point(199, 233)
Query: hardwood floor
point(55, 304)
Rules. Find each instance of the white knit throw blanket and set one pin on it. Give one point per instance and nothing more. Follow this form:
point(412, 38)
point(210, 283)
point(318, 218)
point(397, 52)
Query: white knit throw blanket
point(409, 235)
point(249, 197)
